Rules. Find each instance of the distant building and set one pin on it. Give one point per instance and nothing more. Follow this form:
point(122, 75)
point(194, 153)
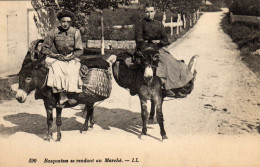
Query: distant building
point(17, 30)
point(208, 4)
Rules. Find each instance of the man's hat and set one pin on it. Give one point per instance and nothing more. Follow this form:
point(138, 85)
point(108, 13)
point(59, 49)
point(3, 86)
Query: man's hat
point(66, 13)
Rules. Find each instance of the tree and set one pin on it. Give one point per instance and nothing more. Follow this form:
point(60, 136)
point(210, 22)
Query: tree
point(48, 9)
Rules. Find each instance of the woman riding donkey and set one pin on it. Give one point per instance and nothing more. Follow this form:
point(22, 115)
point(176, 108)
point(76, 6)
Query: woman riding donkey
point(63, 47)
point(174, 74)
point(60, 51)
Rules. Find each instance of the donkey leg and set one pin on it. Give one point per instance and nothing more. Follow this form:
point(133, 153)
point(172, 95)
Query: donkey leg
point(91, 115)
point(89, 108)
point(159, 116)
point(49, 112)
point(151, 117)
point(85, 125)
point(58, 123)
point(144, 114)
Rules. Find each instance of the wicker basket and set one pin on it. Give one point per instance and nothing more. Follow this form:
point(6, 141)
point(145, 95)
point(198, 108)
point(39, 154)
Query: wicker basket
point(97, 85)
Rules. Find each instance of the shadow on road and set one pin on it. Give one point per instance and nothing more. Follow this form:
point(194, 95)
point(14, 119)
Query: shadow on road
point(119, 118)
point(37, 124)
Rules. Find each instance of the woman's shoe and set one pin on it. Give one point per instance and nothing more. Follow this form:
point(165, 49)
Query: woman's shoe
point(63, 98)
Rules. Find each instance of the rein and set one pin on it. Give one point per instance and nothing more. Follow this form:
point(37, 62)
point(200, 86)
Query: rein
point(35, 68)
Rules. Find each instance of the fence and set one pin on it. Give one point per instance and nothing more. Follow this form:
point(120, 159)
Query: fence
point(179, 24)
point(245, 19)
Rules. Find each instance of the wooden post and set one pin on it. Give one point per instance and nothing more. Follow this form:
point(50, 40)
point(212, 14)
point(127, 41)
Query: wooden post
point(179, 22)
point(184, 21)
point(231, 18)
point(102, 34)
point(190, 21)
point(177, 30)
point(164, 19)
point(194, 17)
point(171, 27)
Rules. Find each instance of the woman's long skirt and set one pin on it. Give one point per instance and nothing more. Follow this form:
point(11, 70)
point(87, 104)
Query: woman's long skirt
point(64, 75)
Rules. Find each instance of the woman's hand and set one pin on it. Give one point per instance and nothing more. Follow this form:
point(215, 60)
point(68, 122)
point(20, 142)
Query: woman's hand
point(60, 57)
point(69, 58)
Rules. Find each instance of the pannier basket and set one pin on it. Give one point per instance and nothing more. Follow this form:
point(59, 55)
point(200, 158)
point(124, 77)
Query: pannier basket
point(97, 85)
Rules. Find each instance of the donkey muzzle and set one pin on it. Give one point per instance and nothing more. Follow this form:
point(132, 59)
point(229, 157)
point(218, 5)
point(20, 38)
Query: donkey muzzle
point(148, 72)
point(21, 96)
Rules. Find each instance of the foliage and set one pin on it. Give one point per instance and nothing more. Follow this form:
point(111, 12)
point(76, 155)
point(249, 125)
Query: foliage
point(245, 7)
point(112, 18)
point(176, 6)
point(212, 8)
point(81, 8)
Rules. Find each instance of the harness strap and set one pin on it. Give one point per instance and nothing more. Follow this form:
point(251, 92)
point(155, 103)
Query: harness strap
point(45, 81)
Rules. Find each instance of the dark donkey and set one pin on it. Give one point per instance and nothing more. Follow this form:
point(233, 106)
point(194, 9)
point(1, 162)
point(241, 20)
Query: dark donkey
point(143, 81)
point(33, 76)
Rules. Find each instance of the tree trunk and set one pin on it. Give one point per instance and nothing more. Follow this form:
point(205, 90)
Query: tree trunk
point(102, 35)
point(184, 21)
point(171, 27)
point(164, 18)
point(46, 19)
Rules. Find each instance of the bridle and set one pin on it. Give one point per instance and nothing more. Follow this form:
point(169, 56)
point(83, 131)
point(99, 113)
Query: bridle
point(148, 63)
point(35, 66)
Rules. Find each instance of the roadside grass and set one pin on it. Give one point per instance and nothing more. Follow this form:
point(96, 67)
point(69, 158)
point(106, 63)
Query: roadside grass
point(247, 37)
point(6, 92)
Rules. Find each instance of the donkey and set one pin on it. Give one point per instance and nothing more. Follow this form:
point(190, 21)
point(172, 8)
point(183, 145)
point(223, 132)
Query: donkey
point(142, 80)
point(33, 76)
point(144, 83)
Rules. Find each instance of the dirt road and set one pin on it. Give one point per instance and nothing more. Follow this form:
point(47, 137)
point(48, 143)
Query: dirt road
point(217, 125)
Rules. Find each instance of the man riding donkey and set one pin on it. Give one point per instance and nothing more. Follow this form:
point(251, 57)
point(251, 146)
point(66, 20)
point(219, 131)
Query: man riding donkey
point(174, 74)
point(63, 47)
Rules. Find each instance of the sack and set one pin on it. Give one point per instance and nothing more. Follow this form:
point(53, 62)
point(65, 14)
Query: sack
point(124, 76)
point(97, 85)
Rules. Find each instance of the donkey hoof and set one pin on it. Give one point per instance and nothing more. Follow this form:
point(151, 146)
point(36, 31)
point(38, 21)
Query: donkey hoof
point(142, 136)
point(47, 139)
point(84, 129)
point(58, 140)
point(164, 137)
point(91, 126)
point(143, 133)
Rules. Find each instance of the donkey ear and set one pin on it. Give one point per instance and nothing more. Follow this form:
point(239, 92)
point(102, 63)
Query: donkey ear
point(156, 57)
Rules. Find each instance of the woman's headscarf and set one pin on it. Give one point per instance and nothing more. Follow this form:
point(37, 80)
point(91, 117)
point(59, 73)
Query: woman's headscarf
point(33, 48)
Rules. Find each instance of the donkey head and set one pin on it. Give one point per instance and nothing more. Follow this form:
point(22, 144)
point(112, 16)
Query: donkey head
point(149, 60)
point(27, 80)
